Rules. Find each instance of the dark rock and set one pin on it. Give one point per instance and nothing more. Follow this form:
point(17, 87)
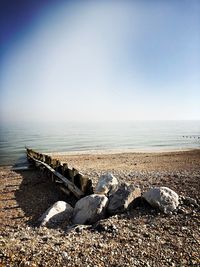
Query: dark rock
point(188, 201)
point(122, 198)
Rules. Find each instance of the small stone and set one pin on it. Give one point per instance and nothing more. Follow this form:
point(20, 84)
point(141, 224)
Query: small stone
point(64, 254)
point(190, 201)
point(45, 238)
point(182, 210)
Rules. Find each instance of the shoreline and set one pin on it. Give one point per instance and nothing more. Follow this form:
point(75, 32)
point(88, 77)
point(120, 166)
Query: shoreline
point(121, 151)
point(112, 152)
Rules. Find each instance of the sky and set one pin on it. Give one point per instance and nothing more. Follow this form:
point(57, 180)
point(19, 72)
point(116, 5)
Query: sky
point(99, 60)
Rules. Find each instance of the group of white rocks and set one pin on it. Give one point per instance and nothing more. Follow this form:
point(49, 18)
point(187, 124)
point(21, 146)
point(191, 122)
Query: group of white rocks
point(110, 197)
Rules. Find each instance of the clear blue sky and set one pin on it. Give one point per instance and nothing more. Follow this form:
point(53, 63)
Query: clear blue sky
point(99, 60)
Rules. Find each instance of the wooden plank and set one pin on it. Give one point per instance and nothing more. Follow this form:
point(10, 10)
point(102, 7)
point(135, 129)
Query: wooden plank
point(72, 187)
point(22, 168)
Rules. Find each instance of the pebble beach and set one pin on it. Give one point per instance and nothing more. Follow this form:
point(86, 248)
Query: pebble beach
point(142, 236)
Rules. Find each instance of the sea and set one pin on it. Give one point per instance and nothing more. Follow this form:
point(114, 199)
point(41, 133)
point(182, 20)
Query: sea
point(92, 137)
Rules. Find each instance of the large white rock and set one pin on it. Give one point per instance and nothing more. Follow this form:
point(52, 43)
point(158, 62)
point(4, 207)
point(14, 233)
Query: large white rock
point(90, 209)
point(163, 198)
point(107, 184)
point(57, 213)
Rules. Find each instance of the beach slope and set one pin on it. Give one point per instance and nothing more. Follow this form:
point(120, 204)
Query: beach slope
point(140, 237)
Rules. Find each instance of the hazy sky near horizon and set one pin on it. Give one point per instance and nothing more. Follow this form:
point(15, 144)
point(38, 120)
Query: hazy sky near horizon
point(99, 60)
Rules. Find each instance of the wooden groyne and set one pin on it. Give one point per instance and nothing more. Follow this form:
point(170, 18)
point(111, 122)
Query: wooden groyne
point(70, 180)
point(192, 136)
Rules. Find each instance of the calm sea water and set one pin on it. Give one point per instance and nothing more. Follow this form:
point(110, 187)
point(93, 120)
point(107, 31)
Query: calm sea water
point(67, 137)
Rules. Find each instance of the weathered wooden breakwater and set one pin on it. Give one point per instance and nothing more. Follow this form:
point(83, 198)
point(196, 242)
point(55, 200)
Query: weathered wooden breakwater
point(70, 180)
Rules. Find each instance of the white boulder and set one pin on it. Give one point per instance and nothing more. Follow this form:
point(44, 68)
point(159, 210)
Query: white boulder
point(107, 184)
point(90, 209)
point(163, 198)
point(57, 213)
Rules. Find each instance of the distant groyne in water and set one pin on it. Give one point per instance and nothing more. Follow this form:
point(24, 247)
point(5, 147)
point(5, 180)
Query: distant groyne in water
point(191, 136)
